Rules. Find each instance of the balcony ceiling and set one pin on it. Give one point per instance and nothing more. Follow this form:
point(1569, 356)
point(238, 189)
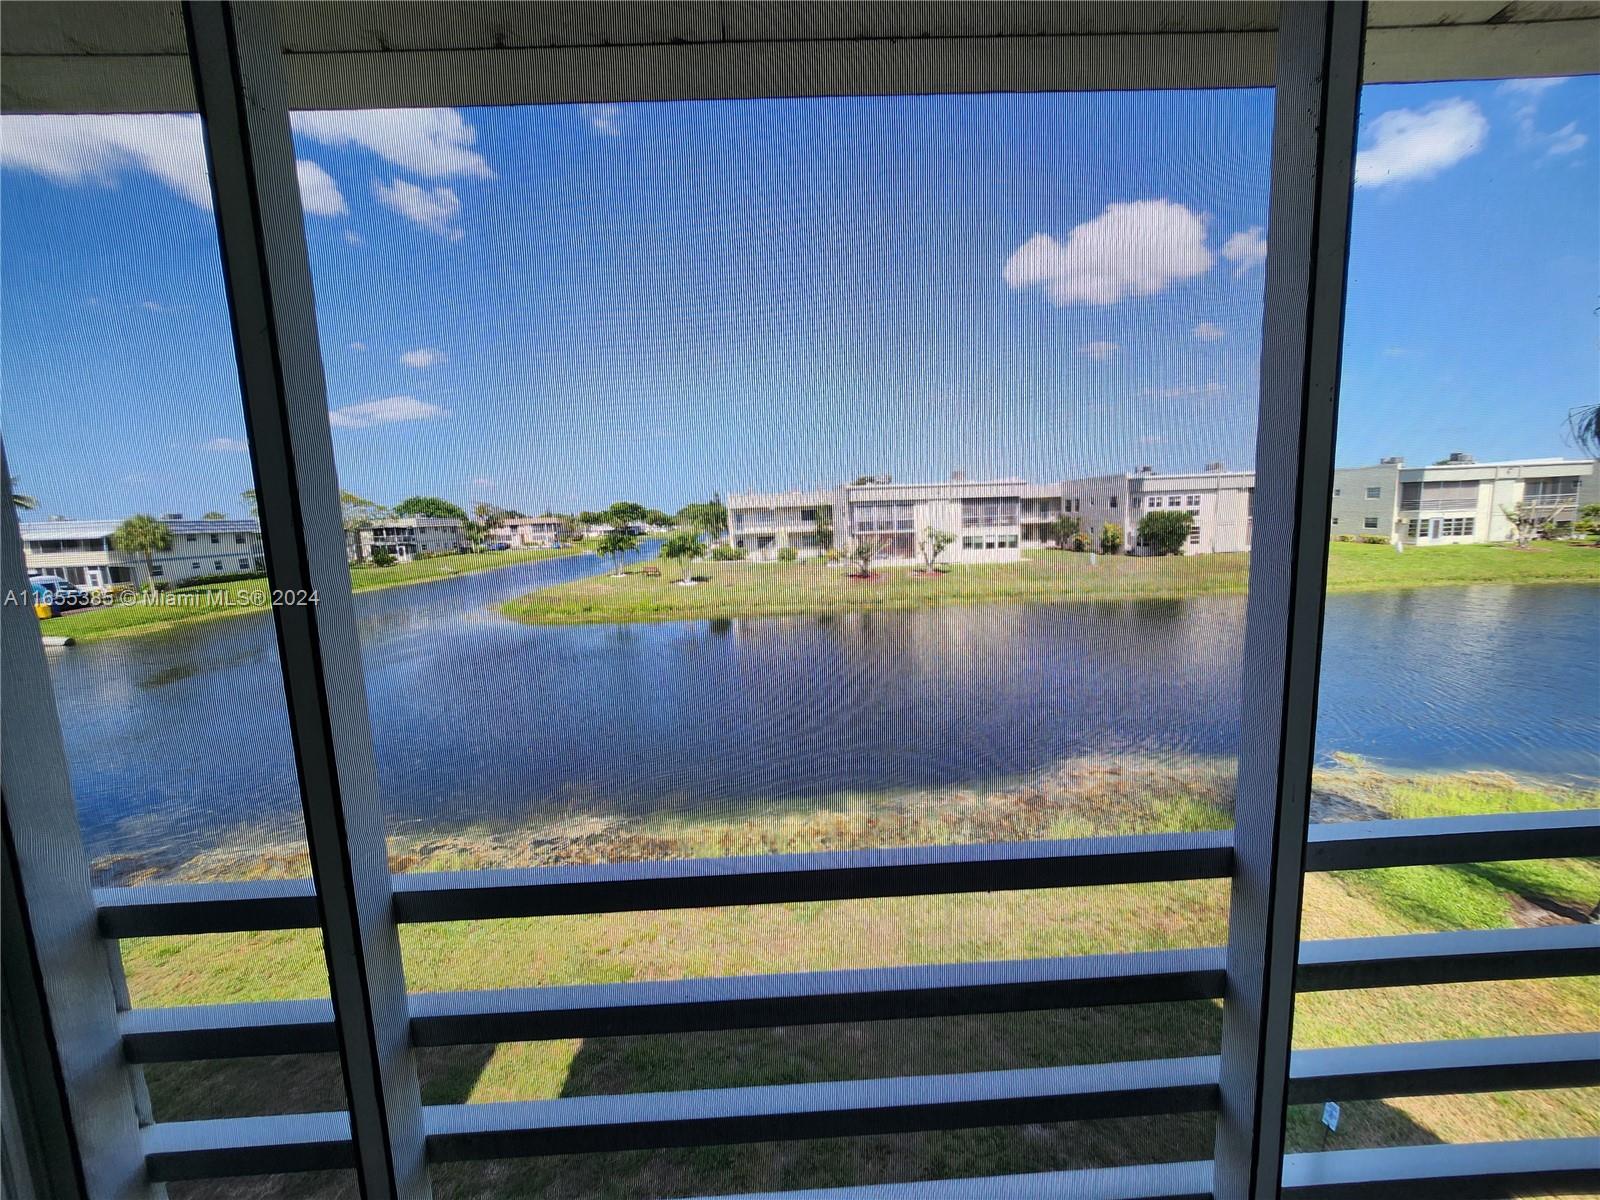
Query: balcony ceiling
point(122, 56)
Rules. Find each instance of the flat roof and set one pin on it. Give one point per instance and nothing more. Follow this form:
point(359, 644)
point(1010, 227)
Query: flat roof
point(52, 531)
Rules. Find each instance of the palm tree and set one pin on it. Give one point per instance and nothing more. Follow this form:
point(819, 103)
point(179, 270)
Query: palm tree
point(18, 500)
point(142, 535)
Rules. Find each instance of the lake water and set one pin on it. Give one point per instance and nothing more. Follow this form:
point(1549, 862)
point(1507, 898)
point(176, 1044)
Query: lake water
point(180, 740)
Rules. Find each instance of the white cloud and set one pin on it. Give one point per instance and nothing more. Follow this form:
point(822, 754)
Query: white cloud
point(604, 119)
point(384, 412)
point(435, 211)
point(1565, 140)
point(353, 238)
point(1136, 248)
point(75, 150)
point(227, 445)
point(486, 484)
point(1528, 87)
point(423, 357)
point(1409, 143)
point(1187, 392)
point(1208, 331)
point(358, 347)
point(319, 194)
point(1099, 351)
point(432, 142)
point(1246, 249)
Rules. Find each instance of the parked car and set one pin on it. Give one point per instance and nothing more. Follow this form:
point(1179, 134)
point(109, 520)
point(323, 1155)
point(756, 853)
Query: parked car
point(498, 546)
point(58, 593)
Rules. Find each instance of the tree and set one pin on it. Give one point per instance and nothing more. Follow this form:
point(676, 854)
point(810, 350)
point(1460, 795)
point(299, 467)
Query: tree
point(934, 543)
point(381, 557)
point(613, 544)
point(1588, 522)
point(589, 518)
point(1585, 425)
point(570, 529)
point(1110, 538)
point(684, 546)
point(824, 531)
point(657, 518)
point(1062, 530)
point(357, 512)
point(143, 535)
point(18, 500)
point(430, 506)
point(214, 515)
point(862, 552)
point(710, 518)
point(1526, 523)
point(625, 514)
point(1166, 531)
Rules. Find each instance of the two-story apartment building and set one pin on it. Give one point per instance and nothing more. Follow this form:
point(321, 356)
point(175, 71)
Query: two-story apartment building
point(1458, 500)
point(81, 552)
point(529, 531)
point(985, 517)
point(405, 538)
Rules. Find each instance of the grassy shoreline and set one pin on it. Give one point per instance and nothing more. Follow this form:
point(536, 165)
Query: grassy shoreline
point(1083, 798)
point(240, 596)
point(744, 589)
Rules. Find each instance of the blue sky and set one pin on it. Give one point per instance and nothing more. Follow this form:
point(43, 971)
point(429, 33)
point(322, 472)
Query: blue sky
point(561, 306)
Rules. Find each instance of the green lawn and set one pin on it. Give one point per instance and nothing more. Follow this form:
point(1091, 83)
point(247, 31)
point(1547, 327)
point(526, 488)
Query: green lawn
point(249, 595)
point(1083, 799)
point(744, 589)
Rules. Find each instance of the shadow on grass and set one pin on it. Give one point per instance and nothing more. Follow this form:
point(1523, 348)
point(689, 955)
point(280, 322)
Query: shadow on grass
point(758, 1057)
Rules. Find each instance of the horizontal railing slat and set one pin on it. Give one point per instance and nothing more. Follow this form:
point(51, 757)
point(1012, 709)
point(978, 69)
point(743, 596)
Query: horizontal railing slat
point(1464, 1171)
point(170, 909)
point(165, 909)
point(727, 1116)
point(791, 878)
point(1459, 1172)
point(196, 1032)
point(660, 1120)
point(756, 1001)
point(179, 1150)
point(1465, 956)
point(764, 1001)
point(1501, 837)
point(1445, 1068)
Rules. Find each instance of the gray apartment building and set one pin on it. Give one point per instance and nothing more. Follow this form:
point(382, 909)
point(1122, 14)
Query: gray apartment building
point(1458, 500)
point(405, 538)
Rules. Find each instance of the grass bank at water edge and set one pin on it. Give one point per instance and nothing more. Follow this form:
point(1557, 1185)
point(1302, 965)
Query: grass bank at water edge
point(202, 601)
point(746, 589)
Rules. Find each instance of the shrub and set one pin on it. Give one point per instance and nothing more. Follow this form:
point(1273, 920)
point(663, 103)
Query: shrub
point(381, 557)
point(788, 554)
point(727, 554)
point(1166, 531)
point(1111, 538)
point(1371, 540)
point(1081, 542)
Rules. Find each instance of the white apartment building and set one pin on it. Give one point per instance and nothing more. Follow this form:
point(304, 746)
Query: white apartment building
point(529, 531)
point(985, 516)
point(1220, 503)
point(405, 537)
point(81, 553)
point(1458, 500)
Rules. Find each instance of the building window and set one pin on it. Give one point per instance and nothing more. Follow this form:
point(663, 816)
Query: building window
point(216, 564)
point(244, 564)
point(808, 514)
point(1374, 493)
point(261, 563)
point(238, 539)
point(1113, 501)
point(155, 571)
point(1369, 522)
point(1155, 502)
point(1336, 491)
point(987, 513)
point(194, 566)
point(191, 537)
point(1194, 535)
point(1192, 501)
point(1336, 520)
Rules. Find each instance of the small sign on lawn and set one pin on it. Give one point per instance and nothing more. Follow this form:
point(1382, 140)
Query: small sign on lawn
point(1330, 1115)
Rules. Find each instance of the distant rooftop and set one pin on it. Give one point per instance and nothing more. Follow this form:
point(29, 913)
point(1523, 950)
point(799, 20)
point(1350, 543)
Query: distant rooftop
point(50, 531)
